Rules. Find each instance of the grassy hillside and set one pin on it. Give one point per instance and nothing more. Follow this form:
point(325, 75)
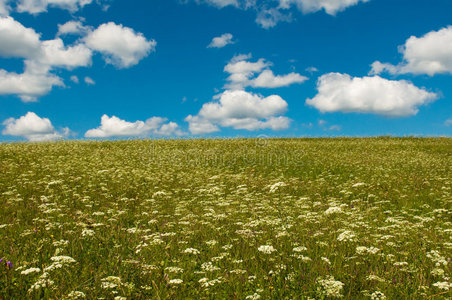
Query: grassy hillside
point(227, 219)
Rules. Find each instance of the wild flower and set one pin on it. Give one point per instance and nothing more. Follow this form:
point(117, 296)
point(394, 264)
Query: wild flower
point(377, 295)
point(326, 260)
point(31, 271)
point(192, 251)
point(254, 296)
point(111, 282)
point(333, 210)
point(209, 283)
point(299, 249)
point(76, 295)
point(330, 287)
point(359, 184)
point(209, 267)
point(63, 259)
point(87, 232)
point(211, 243)
point(176, 281)
point(437, 272)
point(266, 249)
point(346, 236)
point(276, 186)
point(443, 285)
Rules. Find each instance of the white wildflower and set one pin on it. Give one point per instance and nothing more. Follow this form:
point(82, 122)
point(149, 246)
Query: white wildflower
point(176, 281)
point(267, 249)
point(443, 285)
point(330, 287)
point(333, 210)
point(276, 186)
point(30, 271)
point(192, 251)
point(75, 295)
point(346, 236)
point(377, 295)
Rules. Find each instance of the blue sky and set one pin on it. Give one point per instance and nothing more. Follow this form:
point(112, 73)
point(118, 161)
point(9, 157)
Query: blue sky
point(78, 69)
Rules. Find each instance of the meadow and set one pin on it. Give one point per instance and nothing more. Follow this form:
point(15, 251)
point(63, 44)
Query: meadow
point(227, 219)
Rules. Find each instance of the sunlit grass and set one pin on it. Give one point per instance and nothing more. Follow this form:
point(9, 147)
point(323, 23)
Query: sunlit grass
point(227, 219)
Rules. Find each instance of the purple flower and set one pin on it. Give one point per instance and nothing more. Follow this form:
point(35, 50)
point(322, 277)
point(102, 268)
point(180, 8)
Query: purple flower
point(1, 260)
point(9, 265)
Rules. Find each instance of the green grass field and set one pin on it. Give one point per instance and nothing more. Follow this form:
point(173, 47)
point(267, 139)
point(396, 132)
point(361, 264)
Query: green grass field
point(227, 219)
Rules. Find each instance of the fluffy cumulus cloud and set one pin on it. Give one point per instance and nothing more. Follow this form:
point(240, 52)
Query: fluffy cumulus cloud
point(430, 54)
point(268, 18)
point(116, 127)
point(271, 12)
point(4, 7)
point(73, 27)
point(39, 6)
point(376, 95)
point(331, 7)
point(27, 85)
point(198, 125)
point(17, 40)
point(55, 54)
point(242, 73)
point(121, 46)
point(268, 80)
point(221, 41)
point(33, 128)
point(40, 57)
point(240, 110)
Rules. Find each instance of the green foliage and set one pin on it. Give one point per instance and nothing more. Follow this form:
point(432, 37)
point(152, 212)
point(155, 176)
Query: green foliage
point(227, 219)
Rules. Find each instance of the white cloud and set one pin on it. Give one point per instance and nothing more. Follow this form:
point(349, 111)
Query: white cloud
point(271, 12)
point(40, 58)
point(121, 46)
point(4, 8)
point(448, 122)
point(27, 85)
point(198, 125)
point(115, 127)
point(331, 7)
point(220, 3)
point(17, 40)
point(430, 54)
point(74, 79)
point(39, 6)
point(268, 80)
point(73, 27)
point(33, 128)
point(341, 92)
point(169, 129)
point(312, 70)
point(55, 54)
point(243, 72)
point(221, 41)
point(240, 110)
point(269, 18)
point(89, 81)
point(335, 127)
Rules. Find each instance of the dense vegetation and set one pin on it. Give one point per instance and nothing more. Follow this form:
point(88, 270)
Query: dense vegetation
point(227, 219)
